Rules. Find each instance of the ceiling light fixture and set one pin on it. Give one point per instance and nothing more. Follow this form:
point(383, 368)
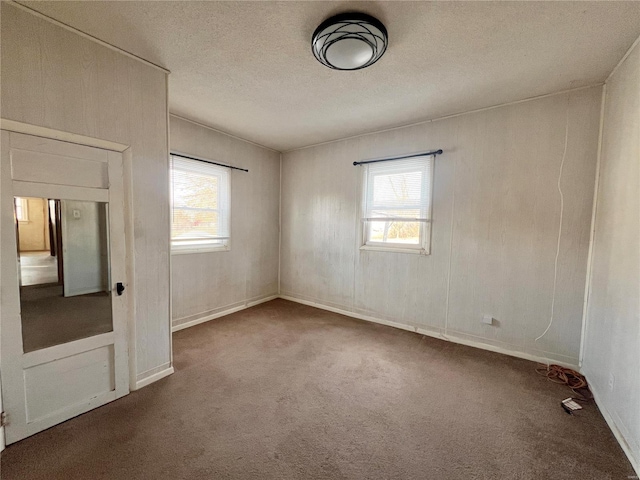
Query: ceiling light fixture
point(349, 41)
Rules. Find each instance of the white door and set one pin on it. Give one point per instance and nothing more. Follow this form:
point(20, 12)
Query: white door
point(62, 354)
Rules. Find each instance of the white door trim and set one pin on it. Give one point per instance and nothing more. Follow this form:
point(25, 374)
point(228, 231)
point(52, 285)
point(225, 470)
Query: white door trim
point(68, 192)
point(38, 131)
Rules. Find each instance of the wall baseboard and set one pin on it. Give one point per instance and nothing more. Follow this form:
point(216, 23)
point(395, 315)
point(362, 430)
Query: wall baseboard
point(153, 378)
point(211, 316)
point(435, 333)
point(634, 457)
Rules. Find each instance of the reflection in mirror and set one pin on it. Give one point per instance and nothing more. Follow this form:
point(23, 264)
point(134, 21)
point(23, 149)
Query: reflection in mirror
point(63, 251)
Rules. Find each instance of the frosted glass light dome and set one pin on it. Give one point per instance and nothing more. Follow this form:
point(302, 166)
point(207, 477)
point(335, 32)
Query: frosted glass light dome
point(349, 41)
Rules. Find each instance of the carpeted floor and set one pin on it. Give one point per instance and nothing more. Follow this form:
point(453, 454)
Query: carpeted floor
point(49, 318)
point(285, 391)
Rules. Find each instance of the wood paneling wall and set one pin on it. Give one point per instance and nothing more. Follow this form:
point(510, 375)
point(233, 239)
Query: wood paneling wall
point(205, 284)
point(612, 336)
point(496, 215)
point(54, 78)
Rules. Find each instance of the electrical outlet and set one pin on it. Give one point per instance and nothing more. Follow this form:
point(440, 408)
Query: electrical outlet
point(487, 320)
point(612, 382)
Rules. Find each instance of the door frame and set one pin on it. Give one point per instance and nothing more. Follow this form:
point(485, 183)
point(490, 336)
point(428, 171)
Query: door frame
point(125, 150)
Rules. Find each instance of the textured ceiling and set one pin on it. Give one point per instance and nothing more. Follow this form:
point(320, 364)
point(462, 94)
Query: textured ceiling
point(246, 68)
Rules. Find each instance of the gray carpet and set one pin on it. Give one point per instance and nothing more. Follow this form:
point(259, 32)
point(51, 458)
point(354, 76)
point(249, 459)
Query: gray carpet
point(285, 391)
point(49, 318)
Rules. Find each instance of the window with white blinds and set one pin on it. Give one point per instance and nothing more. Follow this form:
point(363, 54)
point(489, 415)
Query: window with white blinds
point(22, 209)
point(200, 205)
point(397, 204)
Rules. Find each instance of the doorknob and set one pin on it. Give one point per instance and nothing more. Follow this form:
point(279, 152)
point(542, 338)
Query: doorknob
point(119, 288)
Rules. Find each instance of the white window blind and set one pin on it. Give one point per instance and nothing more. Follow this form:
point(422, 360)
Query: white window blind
point(397, 203)
point(200, 205)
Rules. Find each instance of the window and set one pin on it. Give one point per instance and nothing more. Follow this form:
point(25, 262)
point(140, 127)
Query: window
point(22, 209)
point(200, 206)
point(397, 205)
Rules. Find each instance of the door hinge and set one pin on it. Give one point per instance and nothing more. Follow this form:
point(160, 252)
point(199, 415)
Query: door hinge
point(3, 419)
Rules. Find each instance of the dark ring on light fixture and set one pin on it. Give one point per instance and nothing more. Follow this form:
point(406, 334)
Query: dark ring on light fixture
point(353, 27)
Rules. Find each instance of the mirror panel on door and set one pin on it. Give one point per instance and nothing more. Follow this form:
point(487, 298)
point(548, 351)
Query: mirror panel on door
point(65, 293)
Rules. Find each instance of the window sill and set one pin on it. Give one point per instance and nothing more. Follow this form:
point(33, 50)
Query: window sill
point(184, 251)
point(414, 251)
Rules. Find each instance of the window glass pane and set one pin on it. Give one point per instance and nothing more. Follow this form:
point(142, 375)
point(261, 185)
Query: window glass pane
point(200, 199)
point(195, 205)
point(195, 190)
point(400, 192)
point(395, 232)
point(195, 223)
point(21, 209)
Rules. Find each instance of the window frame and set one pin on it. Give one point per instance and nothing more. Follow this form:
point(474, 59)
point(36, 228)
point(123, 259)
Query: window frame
point(224, 244)
point(423, 247)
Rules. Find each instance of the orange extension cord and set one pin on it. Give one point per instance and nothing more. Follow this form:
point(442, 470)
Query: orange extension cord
point(574, 380)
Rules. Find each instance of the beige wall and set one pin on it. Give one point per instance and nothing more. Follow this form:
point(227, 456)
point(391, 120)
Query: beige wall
point(54, 78)
point(34, 234)
point(612, 338)
point(205, 284)
point(495, 226)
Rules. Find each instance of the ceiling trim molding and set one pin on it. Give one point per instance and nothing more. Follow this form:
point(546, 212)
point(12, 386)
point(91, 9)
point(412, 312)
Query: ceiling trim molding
point(445, 117)
point(224, 133)
point(84, 34)
point(624, 57)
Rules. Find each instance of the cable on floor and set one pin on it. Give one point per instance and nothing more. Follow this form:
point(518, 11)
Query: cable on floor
point(566, 376)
